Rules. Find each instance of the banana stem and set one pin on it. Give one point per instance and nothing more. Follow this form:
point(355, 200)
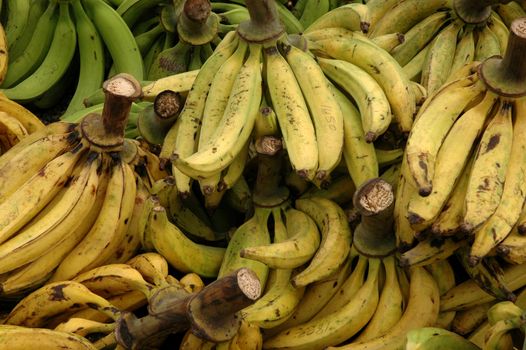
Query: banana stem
point(267, 190)
point(167, 105)
point(196, 24)
point(507, 76)
point(120, 91)
point(374, 235)
point(211, 313)
point(474, 12)
point(264, 24)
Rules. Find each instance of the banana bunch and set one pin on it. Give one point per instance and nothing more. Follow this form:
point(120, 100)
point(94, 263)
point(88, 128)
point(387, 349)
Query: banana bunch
point(464, 162)
point(72, 194)
point(441, 36)
point(59, 46)
point(16, 122)
point(18, 338)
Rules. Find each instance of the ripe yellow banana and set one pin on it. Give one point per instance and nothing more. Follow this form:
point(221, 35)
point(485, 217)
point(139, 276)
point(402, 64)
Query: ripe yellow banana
point(181, 82)
point(297, 249)
point(152, 266)
point(323, 106)
point(432, 124)
point(292, 113)
point(421, 311)
point(83, 327)
point(55, 298)
point(353, 16)
point(335, 242)
point(20, 338)
point(11, 131)
point(499, 225)
point(337, 327)
point(466, 321)
point(430, 250)
point(366, 92)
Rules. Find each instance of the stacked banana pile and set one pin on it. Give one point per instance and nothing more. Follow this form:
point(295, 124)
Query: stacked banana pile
point(262, 174)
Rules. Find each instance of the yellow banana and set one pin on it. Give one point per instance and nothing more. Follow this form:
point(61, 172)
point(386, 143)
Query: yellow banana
point(500, 30)
point(11, 131)
point(323, 106)
point(389, 41)
point(430, 250)
point(335, 242)
point(488, 44)
point(83, 327)
point(413, 68)
point(292, 113)
point(152, 266)
point(353, 16)
point(181, 82)
point(466, 321)
point(465, 51)
point(19, 338)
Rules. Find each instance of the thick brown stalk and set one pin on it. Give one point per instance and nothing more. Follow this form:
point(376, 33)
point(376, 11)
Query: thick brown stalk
point(264, 24)
point(475, 12)
point(197, 25)
point(107, 130)
point(506, 76)
point(374, 235)
point(268, 191)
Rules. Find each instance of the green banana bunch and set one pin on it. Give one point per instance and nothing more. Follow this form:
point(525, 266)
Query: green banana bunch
point(453, 155)
point(45, 36)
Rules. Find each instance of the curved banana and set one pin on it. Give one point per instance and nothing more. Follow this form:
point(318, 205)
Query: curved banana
point(366, 92)
point(17, 15)
point(323, 106)
point(235, 126)
point(83, 327)
point(433, 122)
point(55, 298)
point(11, 131)
point(19, 338)
point(300, 246)
point(109, 228)
point(179, 251)
point(4, 59)
point(389, 41)
point(152, 266)
point(335, 243)
point(499, 225)
point(363, 53)
point(337, 327)
point(488, 44)
point(465, 51)
point(466, 321)
point(353, 16)
point(181, 82)
point(430, 250)
point(421, 311)
point(54, 64)
point(29, 121)
point(292, 113)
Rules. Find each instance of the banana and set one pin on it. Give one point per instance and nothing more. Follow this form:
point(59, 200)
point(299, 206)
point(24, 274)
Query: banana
point(280, 299)
point(382, 67)
point(191, 341)
point(451, 159)
point(378, 8)
point(179, 251)
point(448, 222)
point(405, 15)
point(218, 95)
point(236, 125)
point(499, 225)
point(465, 51)
point(335, 242)
point(117, 38)
point(419, 37)
point(248, 337)
point(29, 121)
point(432, 124)
point(252, 232)
point(413, 68)
point(315, 297)
point(55, 63)
point(11, 131)
point(340, 190)
point(181, 82)
point(16, 19)
point(430, 250)
point(18, 338)
point(182, 137)
point(391, 175)
point(510, 12)
point(37, 272)
point(292, 113)
point(300, 246)
point(439, 59)
point(421, 311)
point(91, 53)
point(109, 228)
point(488, 44)
point(312, 11)
point(466, 321)
point(83, 327)
point(390, 305)
point(323, 106)
point(430, 338)
point(513, 248)
point(337, 327)
point(468, 294)
point(152, 266)
point(503, 310)
point(389, 41)
point(192, 283)
point(348, 289)
point(22, 205)
point(354, 17)
point(500, 30)
point(54, 222)
point(55, 298)
point(366, 92)
point(497, 333)
point(4, 58)
point(405, 234)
